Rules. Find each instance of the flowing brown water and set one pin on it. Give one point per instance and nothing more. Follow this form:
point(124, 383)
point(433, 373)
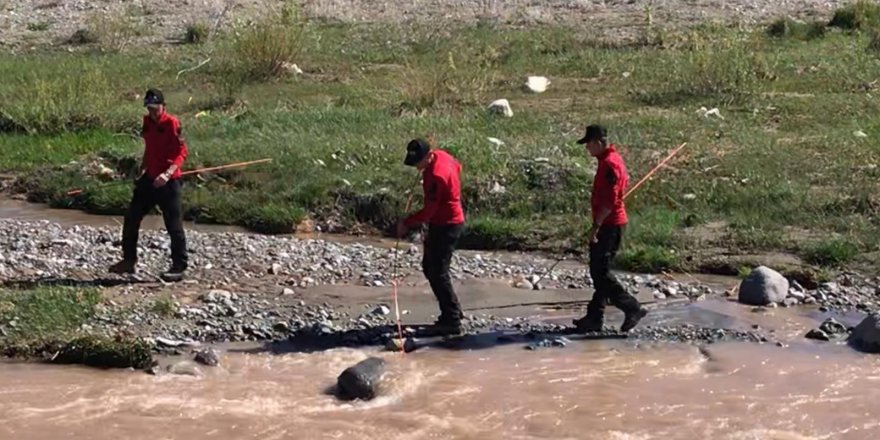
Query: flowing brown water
point(601, 390)
point(589, 390)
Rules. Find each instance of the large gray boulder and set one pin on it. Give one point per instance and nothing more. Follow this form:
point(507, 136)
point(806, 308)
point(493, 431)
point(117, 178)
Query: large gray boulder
point(762, 287)
point(866, 335)
point(361, 381)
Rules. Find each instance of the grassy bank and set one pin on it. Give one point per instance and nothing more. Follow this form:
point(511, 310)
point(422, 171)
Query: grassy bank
point(51, 324)
point(790, 166)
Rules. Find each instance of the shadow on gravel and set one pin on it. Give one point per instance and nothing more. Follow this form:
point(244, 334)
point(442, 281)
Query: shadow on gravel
point(690, 324)
point(309, 341)
point(72, 282)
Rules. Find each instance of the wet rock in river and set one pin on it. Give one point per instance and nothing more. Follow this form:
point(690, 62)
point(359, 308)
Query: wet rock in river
point(207, 356)
point(832, 326)
point(866, 335)
point(818, 334)
point(764, 286)
point(361, 381)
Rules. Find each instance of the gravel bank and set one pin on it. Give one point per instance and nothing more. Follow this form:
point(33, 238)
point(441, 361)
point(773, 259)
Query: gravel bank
point(40, 22)
point(35, 252)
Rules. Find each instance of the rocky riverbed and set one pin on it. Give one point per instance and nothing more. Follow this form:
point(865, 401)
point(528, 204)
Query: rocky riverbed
point(249, 287)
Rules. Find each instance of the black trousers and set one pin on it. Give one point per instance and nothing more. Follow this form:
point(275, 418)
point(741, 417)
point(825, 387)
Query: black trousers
point(439, 245)
point(144, 199)
point(606, 286)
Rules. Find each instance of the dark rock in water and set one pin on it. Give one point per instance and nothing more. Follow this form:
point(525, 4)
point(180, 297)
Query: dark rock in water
point(361, 381)
point(208, 357)
point(866, 335)
point(762, 287)
point(828, 330)
point(833, 327)
point(818, 335)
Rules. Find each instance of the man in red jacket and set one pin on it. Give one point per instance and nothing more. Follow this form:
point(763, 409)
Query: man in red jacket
point(609, 221)
point(442, 211)
point(158, 184)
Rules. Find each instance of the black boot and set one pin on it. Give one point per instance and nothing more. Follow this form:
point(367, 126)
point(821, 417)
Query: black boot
point(631, 320)
point(448, 326)
point(175, 273)
point(588, 324)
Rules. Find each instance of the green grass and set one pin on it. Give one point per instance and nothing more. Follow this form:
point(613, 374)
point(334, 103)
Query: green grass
point(38, 26)
point(47, 323)
point(832, 252)
point(860, 14)
point(781, 168)
point(788, 28)
point(164, 306)
point(46, 312)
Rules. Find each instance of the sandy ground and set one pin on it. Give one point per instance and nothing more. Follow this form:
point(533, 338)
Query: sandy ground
point(38, 22)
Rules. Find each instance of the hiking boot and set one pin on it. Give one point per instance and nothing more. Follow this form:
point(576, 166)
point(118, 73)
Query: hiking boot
point(588, 325)
point(448, 327)
point(175, 273)
point(123, 267)
point(631, 320)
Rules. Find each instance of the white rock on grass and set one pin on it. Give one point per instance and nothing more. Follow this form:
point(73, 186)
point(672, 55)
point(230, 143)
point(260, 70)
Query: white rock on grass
point(537, 84)
point(501, 107)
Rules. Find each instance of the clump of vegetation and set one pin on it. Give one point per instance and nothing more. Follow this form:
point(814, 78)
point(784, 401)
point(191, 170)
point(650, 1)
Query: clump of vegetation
point(104, 352)
point(832, 252)
point(796, 30)
point(47, 323)
point(263, 50)
point(460, 76)
point(273, 218)
point(83, 37)
point(859, 15)
point(494, 233)
point(164, 306)
point(719, 69)
point(114, 32)
point(196, 33)
point(647, 259)
point(61, 102)
point(93, 351)
point(38, 26)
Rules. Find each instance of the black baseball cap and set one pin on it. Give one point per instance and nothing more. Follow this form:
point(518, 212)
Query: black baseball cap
point(153, 97)
point(416, 150)
point(594, 132)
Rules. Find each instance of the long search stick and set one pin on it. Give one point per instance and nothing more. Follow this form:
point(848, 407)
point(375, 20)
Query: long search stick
point(77, 191)
point(625, 195)
point(654, 170)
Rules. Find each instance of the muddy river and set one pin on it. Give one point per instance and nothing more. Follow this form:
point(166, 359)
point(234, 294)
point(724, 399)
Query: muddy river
point(590, 390)
point(598, 389)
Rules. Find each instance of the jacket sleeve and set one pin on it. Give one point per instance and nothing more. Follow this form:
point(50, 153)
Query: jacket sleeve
point(180, 145)
point(432, 201)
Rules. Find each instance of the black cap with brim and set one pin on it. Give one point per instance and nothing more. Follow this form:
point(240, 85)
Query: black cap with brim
point(153, 97)
point(594, 133)
point(416, 151)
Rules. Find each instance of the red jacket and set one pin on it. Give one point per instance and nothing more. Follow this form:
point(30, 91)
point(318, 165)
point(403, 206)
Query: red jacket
point(609, 186)
point(441, 182)
point(163, 145)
